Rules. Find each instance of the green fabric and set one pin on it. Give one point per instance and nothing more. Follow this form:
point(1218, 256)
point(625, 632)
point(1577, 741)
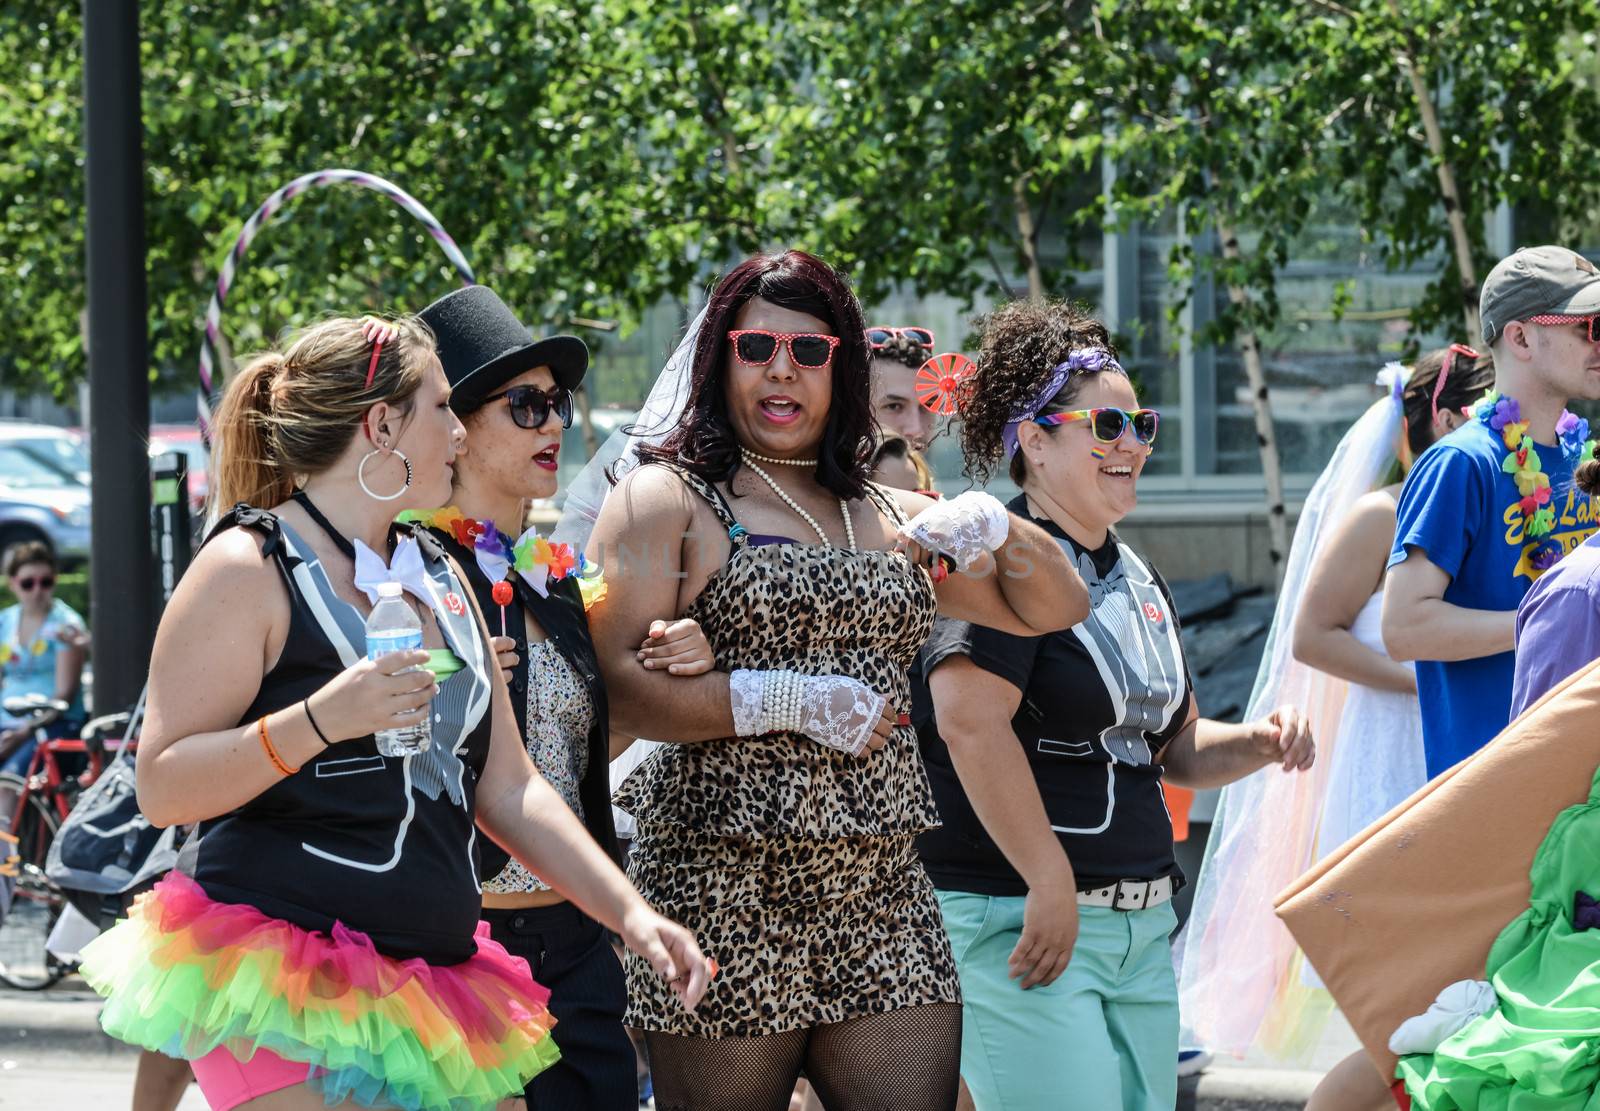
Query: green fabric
point(1539, 1050)
point(443, 662)
point(1103, 1037)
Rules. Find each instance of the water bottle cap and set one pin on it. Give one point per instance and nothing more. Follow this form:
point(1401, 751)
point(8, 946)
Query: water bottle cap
point(390, 590)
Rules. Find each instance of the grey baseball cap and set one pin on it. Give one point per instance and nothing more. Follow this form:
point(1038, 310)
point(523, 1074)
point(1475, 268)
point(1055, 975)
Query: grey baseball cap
point(1535, 281)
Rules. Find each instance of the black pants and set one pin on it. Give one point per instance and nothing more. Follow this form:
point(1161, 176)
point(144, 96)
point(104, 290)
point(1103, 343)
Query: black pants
point(571, 955)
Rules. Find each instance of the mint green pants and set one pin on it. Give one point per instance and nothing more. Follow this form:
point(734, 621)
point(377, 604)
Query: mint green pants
point(1103, 1037)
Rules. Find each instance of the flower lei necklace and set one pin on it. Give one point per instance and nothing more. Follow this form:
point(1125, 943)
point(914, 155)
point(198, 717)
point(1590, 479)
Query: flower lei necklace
point(536, 559)
point(1503, 415)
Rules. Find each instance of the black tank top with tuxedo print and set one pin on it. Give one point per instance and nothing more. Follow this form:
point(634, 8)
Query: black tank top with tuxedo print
point(384, 845)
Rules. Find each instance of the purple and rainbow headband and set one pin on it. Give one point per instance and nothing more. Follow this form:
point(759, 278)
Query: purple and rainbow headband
point(1085, 360)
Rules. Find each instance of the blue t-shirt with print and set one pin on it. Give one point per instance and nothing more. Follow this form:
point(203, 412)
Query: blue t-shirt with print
point(31, 668)
point(1460, 507)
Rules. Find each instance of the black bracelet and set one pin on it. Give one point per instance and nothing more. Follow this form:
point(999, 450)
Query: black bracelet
point(321, 736)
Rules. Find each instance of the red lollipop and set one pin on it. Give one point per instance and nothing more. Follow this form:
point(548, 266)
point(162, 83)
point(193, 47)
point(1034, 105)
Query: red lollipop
point(937, 381)
point(502, 595)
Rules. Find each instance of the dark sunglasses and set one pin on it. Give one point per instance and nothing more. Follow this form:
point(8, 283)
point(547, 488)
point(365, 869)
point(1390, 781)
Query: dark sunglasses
point(756, 347)
point(1108, 424)
point(1591, 323)
point(531, 406)
point(879, 335)
point(46, 583)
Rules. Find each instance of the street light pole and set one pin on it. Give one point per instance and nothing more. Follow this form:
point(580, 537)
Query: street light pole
point(121, 568)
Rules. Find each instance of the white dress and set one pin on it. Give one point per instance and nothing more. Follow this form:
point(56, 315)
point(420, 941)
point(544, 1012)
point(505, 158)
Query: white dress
point(1377, 758)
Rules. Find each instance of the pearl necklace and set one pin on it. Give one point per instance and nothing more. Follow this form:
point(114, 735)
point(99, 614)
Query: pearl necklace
point(844, 506)
point(749, 455)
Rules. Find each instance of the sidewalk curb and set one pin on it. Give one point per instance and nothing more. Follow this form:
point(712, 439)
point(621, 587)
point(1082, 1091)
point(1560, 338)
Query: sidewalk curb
point(52, 1023)
point(65, 1021)
point(1232, 1088)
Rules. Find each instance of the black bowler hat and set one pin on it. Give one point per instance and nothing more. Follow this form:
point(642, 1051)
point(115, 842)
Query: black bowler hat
point(483, 345)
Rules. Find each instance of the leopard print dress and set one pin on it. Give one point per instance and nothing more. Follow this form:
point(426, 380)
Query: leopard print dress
point(793, 863)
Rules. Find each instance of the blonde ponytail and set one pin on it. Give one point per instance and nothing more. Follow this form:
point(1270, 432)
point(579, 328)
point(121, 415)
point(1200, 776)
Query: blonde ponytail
point(295, 412)
point(242, 464)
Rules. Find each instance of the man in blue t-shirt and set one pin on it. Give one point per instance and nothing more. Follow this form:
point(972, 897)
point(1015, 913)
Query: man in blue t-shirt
point(1485, 511)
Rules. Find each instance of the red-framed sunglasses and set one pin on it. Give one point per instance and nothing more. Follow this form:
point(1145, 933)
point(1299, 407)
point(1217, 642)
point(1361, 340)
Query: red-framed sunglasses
point(757, 347)
point(1592, 322)
point(878, 335)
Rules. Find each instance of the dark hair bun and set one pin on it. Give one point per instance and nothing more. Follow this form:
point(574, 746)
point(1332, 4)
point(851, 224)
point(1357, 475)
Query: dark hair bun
point(903, 349)
point(1587, 476)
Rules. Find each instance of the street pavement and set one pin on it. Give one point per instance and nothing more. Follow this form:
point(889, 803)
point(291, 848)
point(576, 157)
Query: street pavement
point(63, 1084)
point(54, 1057)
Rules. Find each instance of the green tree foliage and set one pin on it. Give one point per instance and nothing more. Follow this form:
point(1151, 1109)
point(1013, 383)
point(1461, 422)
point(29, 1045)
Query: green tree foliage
point(592, 156)
point(585, 156)
point(1512, 84)
point(967, 137)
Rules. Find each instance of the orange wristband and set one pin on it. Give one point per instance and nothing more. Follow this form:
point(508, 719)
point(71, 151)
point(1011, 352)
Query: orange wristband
point(272, 753)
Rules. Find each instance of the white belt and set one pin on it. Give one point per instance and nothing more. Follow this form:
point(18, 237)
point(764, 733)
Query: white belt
point(1129, 894)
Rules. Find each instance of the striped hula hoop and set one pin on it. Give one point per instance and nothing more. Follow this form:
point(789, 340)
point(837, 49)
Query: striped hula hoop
point(210, 355)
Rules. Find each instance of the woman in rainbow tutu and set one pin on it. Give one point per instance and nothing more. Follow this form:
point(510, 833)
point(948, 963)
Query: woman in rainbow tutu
point(327, 947)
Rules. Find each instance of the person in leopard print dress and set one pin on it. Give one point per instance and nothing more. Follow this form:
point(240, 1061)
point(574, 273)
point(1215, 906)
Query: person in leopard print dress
point(779, 820)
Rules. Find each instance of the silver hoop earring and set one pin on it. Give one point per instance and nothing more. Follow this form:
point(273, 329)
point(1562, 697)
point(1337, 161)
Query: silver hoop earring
point(361, 475)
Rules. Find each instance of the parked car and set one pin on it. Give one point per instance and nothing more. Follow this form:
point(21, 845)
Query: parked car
point(185, 438)
point(40, 501)
point(61, 449)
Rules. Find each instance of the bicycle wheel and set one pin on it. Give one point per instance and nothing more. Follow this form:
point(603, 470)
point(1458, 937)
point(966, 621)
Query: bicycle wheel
point(36, 903)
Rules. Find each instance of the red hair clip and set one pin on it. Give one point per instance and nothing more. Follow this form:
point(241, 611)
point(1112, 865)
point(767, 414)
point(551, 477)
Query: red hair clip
point(377, 332)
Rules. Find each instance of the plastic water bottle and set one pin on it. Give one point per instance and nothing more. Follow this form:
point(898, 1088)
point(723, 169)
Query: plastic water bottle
point(393, 627)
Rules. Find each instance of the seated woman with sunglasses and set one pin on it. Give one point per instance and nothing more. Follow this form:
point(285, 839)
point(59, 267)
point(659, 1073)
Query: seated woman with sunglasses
point(514, 395)
point(327, 950)
point(1055, 865)
point(779, 819)
point(42, 647)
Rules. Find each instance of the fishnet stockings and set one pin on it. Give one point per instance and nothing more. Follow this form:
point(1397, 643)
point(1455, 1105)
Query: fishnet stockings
point(904, 1060)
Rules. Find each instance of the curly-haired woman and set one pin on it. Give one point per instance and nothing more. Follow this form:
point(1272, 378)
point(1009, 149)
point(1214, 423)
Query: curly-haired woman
point(42, 647)
point(1055, 866)
point(780, 823)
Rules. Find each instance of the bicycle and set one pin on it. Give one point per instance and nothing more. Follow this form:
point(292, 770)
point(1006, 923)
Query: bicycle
point(32, 807)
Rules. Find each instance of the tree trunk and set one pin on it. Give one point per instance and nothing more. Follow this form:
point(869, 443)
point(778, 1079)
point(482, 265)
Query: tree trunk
point(1448, 193)
point(1029, 234)
point(1266, 437)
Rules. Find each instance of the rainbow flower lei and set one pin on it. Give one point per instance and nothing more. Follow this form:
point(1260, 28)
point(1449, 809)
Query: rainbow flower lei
point(533, 557)
point(1503, 415)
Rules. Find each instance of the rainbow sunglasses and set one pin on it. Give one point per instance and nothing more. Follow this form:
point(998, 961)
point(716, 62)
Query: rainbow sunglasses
point(1108, 423)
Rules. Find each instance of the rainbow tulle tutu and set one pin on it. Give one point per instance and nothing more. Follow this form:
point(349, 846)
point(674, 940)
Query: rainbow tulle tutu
point(184, 974)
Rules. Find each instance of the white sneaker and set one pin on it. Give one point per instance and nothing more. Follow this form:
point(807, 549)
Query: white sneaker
point(1193, 1061)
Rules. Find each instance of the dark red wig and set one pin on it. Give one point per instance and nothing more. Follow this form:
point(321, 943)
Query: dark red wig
point(704, 442)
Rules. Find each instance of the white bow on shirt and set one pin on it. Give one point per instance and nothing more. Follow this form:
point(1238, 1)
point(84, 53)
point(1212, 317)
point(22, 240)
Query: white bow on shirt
point(496, 566)
point(406, 568)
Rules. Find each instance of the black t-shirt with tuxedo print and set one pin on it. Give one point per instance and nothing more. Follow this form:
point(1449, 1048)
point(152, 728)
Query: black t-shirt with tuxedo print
point(1099, 702)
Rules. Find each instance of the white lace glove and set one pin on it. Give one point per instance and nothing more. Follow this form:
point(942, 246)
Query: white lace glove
point(834, 710)
point(963, 527)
